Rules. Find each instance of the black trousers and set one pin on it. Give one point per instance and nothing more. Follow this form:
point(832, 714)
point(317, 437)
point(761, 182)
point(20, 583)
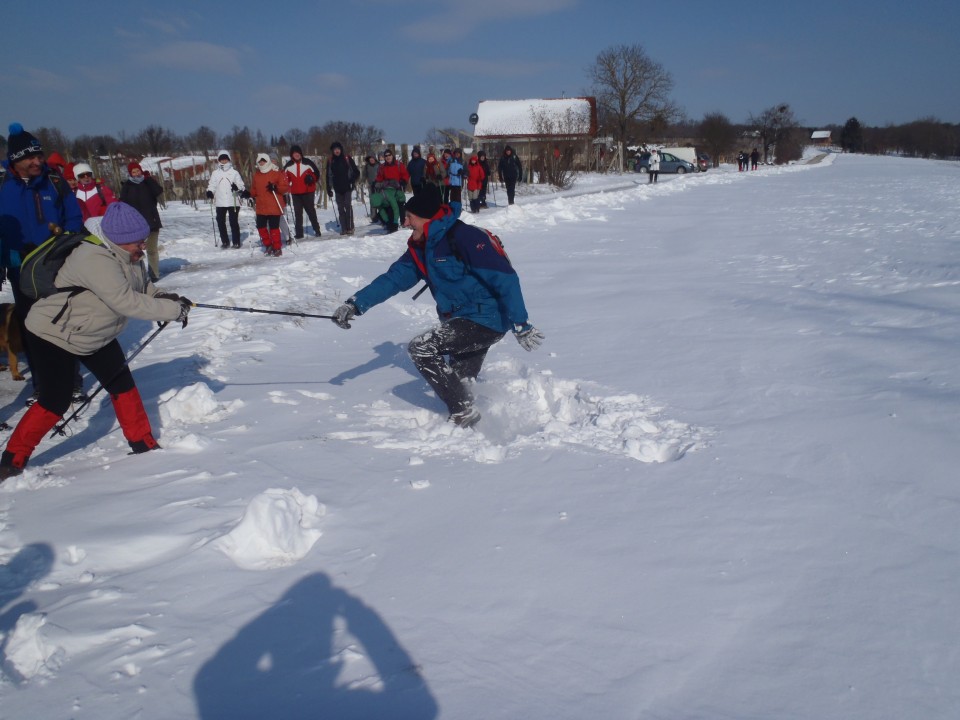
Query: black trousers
point(222, 213)
point(466, 343)
point(55, 368)
point(511, 189)
point(345, 210)
point(301, 202)
point(22, 305)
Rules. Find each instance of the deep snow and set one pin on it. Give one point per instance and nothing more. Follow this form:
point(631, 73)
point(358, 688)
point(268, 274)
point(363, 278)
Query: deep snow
point(725, 487)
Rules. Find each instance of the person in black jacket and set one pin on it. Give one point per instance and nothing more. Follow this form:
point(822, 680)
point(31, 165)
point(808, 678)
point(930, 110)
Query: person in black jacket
point(415, 167)
point(485, 164)
point(509, 172)
point(143, 193)
point(342, 176)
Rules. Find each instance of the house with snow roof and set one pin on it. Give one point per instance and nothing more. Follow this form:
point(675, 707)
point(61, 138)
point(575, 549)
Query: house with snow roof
point(532, 124)
point(820, 137)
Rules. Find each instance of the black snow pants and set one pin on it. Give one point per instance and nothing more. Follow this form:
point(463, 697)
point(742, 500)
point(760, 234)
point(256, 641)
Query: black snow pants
point(466, 343)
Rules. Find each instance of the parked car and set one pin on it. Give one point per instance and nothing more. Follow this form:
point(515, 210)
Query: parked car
point(703, 160)
point(669, 163)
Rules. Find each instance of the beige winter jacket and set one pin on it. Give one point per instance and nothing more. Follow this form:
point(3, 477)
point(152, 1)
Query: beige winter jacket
point(118, 290)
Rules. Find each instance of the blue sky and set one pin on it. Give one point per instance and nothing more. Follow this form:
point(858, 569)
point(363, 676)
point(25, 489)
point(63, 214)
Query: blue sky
point(408, 66)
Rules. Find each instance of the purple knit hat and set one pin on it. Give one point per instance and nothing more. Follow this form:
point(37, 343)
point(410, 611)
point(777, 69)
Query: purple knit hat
point(123, 224)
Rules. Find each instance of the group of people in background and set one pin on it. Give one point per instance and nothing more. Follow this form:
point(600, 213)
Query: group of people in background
point(748, 161)
point(103, 280)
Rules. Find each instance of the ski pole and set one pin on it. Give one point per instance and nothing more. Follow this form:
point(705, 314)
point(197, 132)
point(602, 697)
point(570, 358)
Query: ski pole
point(61, 428)
point(283, 216)
point(259, 310)
point(213, 221)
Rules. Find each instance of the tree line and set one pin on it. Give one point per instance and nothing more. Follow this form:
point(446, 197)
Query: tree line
point(635, 107)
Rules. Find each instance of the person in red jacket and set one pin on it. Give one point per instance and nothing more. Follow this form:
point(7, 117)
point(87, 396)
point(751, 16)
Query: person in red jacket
point(303, 177)
point(475, 178)
point(267, 189)
point(393, 178)
point(93, 195)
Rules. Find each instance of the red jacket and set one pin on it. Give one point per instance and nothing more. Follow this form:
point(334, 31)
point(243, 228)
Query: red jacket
point(267, 201)
point(395, 172)
point(297, 174)
point(475, 175)
point(93, 199)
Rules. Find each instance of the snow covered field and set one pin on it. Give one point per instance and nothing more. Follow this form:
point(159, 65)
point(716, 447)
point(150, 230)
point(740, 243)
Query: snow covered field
point(725, 487)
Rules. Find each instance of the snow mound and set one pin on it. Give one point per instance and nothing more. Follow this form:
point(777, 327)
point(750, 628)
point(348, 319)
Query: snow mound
point(278, 529)
point(194, 404)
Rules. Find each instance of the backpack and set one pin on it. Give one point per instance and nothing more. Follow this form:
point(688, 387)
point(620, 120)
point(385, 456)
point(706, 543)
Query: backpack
point(39, 268)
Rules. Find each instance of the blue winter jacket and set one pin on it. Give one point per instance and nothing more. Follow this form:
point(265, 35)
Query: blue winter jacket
point(27, 209)
point(455, 172)
point(466, 270)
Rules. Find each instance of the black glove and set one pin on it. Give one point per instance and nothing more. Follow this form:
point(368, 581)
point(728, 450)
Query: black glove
point(309, 180)
point(185, 306)
point(528, 336)
point(344, 314)
point(168, 296)
point(329, 193)
point(233, 186)
point(245, 194)
point(272, 187)
point(210, 194)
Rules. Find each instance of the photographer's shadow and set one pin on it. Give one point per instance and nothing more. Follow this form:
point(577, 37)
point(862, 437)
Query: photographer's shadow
point(287, 664)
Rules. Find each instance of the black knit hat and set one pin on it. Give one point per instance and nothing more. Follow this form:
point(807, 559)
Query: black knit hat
point(426, 203)
point(21, 144)
point(336, 144)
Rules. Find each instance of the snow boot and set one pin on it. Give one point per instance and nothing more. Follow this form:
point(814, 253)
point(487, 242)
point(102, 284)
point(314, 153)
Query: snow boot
point(277, 241)
point(134, 421)
point(264, 234)
point(467, 417)
point(35, 423)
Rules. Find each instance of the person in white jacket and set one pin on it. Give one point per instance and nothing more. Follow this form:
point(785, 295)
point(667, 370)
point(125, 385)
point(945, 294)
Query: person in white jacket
point(225, 189)
point(654, 166)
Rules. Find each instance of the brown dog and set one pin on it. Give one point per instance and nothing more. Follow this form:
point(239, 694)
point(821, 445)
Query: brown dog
point(10, 339)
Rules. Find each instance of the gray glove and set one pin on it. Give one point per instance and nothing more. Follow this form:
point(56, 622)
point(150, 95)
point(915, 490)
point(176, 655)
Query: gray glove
point(344, 314)
point(185, 306)
point(528, 336)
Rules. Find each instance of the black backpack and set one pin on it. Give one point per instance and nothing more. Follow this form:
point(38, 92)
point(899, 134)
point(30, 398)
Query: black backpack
point(39, 268)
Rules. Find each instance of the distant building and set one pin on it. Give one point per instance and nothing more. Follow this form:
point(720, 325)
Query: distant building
point(820, 137)
point(568, 122)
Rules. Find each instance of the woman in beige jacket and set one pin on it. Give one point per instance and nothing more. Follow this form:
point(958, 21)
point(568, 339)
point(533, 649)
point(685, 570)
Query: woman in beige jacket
point(107, 284)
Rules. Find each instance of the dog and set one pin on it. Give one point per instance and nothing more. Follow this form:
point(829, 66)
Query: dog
point(10, 339)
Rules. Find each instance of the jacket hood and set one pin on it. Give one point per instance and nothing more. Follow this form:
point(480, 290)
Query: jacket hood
point(295, 149)
point(335, 145)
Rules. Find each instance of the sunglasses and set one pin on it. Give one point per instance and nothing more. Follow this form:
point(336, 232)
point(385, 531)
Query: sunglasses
point(85, 175)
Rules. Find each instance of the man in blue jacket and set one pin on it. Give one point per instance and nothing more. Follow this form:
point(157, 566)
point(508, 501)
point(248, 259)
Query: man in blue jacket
point(476, 290)
point(32, 198)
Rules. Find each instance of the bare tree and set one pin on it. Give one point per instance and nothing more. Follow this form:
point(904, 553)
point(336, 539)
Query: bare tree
point(51, 139)
point(630, 87)
point(554, 160)
point(718, 134)
point(202, 139)
point(448, 137)
point(156, 140)
point(773, 124)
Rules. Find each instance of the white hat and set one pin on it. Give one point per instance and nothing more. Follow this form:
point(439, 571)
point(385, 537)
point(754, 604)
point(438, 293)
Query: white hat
point(81, 168)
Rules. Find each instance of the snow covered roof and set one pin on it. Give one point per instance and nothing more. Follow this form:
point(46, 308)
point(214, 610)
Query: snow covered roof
point(820, 135)
point(154, 164)
point(556, 117)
